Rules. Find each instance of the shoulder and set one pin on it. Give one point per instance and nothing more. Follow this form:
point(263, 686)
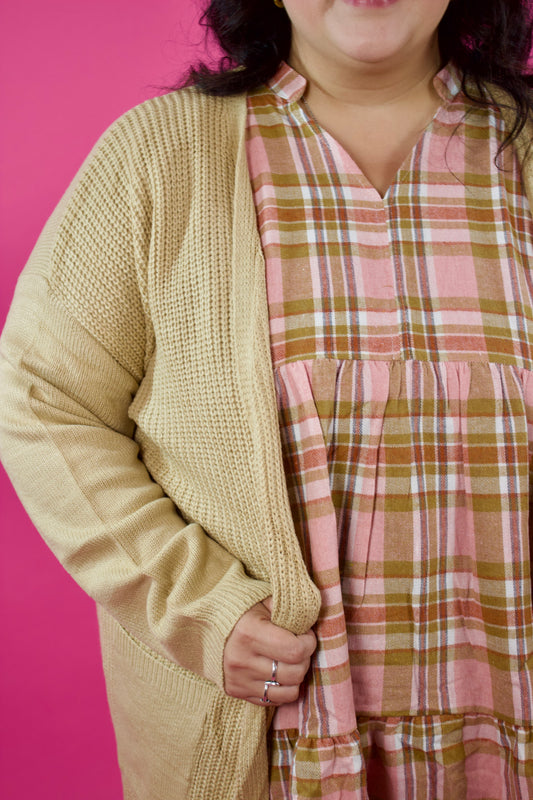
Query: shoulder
point(522, 145)
point(186, 116)
point(505, 106)
point(183, 133)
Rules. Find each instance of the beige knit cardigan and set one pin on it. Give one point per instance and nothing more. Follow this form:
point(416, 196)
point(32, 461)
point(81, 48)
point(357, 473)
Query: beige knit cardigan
point(138, 423)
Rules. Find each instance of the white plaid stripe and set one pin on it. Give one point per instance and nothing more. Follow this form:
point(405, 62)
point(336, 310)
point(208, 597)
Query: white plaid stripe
point(402, 350)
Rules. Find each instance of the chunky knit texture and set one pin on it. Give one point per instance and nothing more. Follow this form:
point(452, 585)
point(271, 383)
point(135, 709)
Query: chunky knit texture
point(140, 322)
point(136, 381)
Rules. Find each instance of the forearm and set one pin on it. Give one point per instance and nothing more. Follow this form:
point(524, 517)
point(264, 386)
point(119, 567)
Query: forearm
point(66, 441)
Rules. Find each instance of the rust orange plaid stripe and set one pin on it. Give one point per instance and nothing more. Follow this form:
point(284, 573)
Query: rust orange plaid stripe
point(402, 343)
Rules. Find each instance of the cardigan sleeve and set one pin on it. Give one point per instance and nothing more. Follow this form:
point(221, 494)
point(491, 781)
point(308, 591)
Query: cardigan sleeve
point(72, 356)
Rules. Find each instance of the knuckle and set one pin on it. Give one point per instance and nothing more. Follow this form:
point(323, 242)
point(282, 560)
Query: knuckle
point(229, 658)
point(232, 663)
point(295, 652)
point(245, 637)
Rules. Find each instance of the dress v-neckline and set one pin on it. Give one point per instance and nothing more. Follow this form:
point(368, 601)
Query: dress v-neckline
point(405, 166)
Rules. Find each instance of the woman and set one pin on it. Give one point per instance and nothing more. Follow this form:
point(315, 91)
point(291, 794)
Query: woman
point(266, 393)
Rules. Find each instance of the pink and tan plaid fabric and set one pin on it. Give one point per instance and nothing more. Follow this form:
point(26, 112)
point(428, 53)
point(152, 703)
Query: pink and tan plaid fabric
point(402, 346)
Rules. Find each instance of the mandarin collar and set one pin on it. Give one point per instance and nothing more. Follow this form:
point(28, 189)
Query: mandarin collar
point(289, 86)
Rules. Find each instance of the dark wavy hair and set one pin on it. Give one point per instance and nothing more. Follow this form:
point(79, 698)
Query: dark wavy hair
point(488, 40)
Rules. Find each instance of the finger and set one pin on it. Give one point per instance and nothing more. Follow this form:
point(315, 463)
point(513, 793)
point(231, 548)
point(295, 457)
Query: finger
point(257, 701)
point(279, 644)
point(286, 674)
point(245, 682)
point(309, 640)
point(276, 695)
point(259, 636)
point(268, 602)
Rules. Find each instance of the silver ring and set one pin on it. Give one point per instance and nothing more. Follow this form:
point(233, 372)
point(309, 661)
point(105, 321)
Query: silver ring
point(274, 671)
point(268, 684)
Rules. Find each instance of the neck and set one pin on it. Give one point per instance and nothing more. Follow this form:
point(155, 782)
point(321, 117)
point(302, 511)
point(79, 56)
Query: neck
point(367, 84)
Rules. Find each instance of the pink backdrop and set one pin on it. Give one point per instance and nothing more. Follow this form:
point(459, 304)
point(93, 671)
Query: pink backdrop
point(68, 69)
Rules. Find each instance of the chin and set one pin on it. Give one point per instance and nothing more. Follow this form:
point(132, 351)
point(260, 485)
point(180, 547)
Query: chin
point(371, 50)
point(371, 55)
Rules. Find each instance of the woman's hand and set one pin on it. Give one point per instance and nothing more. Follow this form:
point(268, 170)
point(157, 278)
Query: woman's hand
point(253, 647)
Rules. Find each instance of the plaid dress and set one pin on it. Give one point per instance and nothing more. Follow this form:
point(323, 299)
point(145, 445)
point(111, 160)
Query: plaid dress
point(402, 346)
